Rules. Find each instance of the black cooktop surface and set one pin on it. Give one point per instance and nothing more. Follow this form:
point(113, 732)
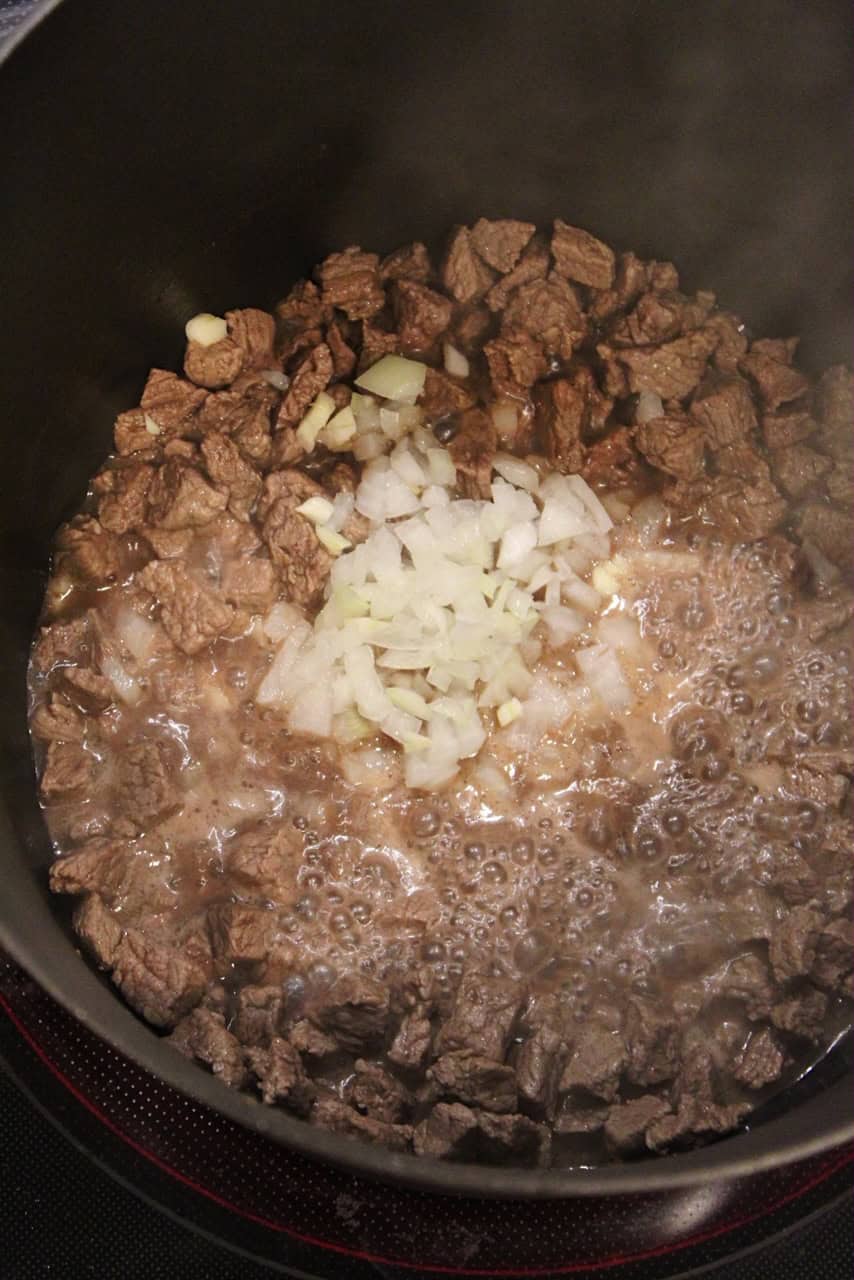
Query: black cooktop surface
point(106, 1172)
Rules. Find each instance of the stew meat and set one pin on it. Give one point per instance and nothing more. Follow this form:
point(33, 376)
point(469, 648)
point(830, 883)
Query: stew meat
point(605, 938)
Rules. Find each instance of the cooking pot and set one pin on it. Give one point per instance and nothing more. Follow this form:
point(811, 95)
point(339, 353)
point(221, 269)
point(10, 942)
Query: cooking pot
point(161, 159)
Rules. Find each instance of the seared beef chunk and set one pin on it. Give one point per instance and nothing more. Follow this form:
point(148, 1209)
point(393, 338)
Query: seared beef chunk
point(337, 1116)
point(760, 1061)
point(653, 1044)
point(464, 274)
point(801, 1015)
point(375, 1092)
point(411, 1045)
point(793, 943)
point(466, 1077)
point(539, 1066)
point(482, 1018)
point(671, 370)
point(422, 316)
point(156, 979)
point(516, 361)
point(596, 1063)
point(170, 403)
point(68, 770)
point(354, 1011)
point(500, 242)
point(240, 934)
point(351, 282)
point(281, 1077)
point(473, 449)
point(443, 396)
point(213, 366)
point(627, 1123)
point(98, 929)
point(179, 497)
point(203, 1035)
point(453, 1131)
point(258, 1016)
point(580, 256)
point(411, 262)
point(673, 445)
point(561, 416)
point(291, 539)
point(549, 311)
point(192, 615)
point(572, 943)
point(145, 784)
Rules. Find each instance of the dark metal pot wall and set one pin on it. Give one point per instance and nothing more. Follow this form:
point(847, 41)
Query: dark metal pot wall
point(163, 158)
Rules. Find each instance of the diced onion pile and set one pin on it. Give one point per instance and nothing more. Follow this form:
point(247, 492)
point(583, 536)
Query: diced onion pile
point(431, 624)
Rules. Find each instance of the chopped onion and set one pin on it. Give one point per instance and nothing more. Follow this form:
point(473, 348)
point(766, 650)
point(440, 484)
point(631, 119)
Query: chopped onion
point(339, 430)
point(505, 418)
point(394, 378)
point(334, 542)
point(206, 329)
point(516, 472)
point(456, 363)
point(649, 407)
point(516, 543)
point(601, 670)
point(276, 379)
point(509, 711)
point(316, 509)
point(315, 420)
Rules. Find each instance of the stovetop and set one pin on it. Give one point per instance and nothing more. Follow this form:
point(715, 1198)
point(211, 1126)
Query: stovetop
point(107, 1172)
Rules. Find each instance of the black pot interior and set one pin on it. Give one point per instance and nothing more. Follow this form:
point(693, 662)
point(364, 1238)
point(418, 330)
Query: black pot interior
point(164, 159)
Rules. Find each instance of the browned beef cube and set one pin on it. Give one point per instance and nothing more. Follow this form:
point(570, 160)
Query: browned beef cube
point(335, 1115)
point(254, 332)
point(516, 361)
point(549, 311)
point(760, 1061)
point(627, 1123)
point(652, 1040)
point(596, 1063)
point(63, 642)
point(673, 444)
point(482, 1017)
point(464, 274)
point(830, 530)
point(472, 450)
point(375, 1092)
point(56, 720)
point(776, 382)
point(539, 1066)
point(123, 496)
point(354, 1011)
point(281, 1077)
point(156, 979)
point(170, 402)
point(213, 366)
point(410, 262)
point(192, 615)
point(203, 1035)
point(782, 430)
point(793, 943)
point(98, 929)
point(146, 792)
point(671, 370)
point(533, 265)
point(560, 417)
point(351, 282)
point(799, 469)
point(231, 473)
point(259, 1014)
point(92, 554)
point(580, 256)
point(466, 1077)
point(180, 497)
point(67, 771)
point(411, 1045)
point(500, 242)
point(422, 316)
point(801, 1015)
point(312, 376)
point(443, 396)
point(241, 934)
point(449, 1132)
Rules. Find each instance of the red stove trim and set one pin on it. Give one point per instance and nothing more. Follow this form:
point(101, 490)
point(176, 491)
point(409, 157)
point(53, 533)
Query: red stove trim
point(831, 1167)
